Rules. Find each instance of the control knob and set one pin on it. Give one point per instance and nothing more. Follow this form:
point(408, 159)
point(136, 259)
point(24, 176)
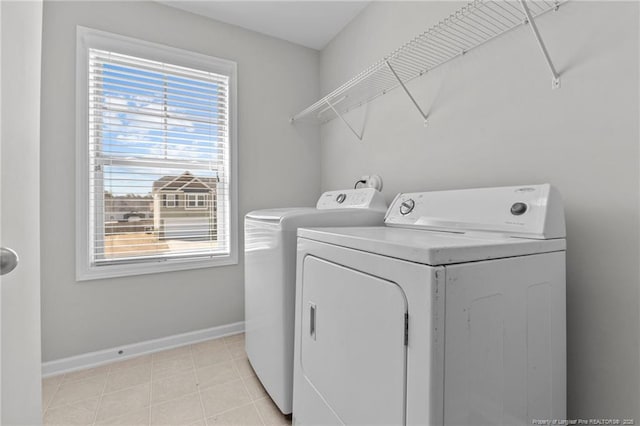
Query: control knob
point(341, 197)
point(518, 209)
point(407, 206)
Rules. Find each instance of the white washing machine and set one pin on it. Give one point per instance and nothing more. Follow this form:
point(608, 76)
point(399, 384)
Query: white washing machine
point(451, 314)
point(270, 262)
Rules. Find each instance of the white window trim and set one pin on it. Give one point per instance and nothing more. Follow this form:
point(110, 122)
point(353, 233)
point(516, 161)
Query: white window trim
point(197, 196)
point(87, 37)
point(174, 201)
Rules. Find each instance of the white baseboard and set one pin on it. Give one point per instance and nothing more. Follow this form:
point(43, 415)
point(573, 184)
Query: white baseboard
point(94, 359)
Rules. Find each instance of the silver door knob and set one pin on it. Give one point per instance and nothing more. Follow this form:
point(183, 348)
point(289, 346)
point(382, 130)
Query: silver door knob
point(8, 260)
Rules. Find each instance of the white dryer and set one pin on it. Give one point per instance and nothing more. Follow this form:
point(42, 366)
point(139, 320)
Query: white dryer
point(451, 314)
point(270, 262)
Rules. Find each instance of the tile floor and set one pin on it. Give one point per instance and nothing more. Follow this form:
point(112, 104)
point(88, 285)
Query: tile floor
point(209, 383)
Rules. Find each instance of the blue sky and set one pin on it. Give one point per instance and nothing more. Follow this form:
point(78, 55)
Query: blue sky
point(129, 132)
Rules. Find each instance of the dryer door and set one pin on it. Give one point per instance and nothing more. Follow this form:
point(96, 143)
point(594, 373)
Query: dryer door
point(352, 345)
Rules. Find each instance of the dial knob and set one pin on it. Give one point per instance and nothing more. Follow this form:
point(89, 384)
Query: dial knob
point(407, 206)
point(340, 198)
point(518, 209)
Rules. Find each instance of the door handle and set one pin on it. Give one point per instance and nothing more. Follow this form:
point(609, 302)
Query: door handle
point(312, 320)
point(8, 260)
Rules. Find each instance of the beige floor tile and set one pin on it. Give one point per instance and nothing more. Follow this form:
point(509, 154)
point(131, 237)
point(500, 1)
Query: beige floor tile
point(86, 373)
point(237, 349)
point(182, 411)
point(173, 387)
point(243, 366)
point(224, 397)
point(170, 366)
point(254, 387)
point(208, 344)
point(217, 374)
point(234, 338)
point(78, 413)
point(163, 389)
point(270, 414)
point(172, 353)
point(49, 389)
point(203, 357)
point(133, 376)
point(71, 392)
point(133, 418)
point(247, 415)
point(119, 403)
point(132, 362)
point(53, 380)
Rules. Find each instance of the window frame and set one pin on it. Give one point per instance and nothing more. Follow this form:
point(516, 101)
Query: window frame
point(197, 195)
point(174, 201)
point(87, 38)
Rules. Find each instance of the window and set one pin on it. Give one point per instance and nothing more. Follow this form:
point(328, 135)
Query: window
point(155, 142)
point(196, 201)
point(169, 200)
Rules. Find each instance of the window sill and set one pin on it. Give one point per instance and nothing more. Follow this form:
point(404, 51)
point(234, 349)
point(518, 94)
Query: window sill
point(133, 269)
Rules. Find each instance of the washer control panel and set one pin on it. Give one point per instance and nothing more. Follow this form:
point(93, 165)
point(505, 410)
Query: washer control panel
point(525, 211)
point(361, 198)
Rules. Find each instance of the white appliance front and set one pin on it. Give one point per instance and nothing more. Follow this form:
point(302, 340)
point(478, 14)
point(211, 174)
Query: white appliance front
point(355, 338)
point(416, 390)
point(270, 261)
point(491, 305)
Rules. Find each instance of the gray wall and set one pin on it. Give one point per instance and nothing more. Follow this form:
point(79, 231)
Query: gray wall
point(275, 79)
point(494, 120)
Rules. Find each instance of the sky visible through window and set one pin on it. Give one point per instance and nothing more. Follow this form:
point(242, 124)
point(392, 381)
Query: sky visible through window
point(154, 117)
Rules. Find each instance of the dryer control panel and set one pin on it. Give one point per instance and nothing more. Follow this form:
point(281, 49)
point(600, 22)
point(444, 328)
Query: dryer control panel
point(533, 211)
point(361, 198)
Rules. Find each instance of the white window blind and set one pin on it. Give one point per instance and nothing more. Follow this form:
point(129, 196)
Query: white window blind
point(159, 148)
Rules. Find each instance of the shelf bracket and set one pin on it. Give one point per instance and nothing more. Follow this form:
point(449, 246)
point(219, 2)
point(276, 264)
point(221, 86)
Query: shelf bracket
point(424, 116)
point(555, 82)
point(359, 136)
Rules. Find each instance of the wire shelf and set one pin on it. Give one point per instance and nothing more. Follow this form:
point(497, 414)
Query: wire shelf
point(473, 25)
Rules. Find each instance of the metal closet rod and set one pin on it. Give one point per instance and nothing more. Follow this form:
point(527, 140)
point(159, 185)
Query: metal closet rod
point(467, 28)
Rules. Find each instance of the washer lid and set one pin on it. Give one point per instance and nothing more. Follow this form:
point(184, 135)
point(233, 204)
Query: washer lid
point(431, 247)
point(292, 219)
point(348, 207)
point(277, 214)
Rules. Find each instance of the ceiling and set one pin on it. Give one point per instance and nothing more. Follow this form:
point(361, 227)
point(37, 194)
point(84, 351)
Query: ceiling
point(308, 23)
